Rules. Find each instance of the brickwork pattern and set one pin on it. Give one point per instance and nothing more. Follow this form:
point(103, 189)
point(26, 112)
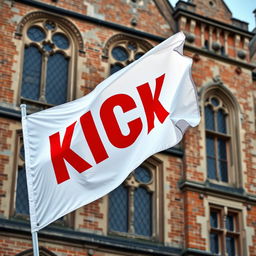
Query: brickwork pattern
point(182, 210)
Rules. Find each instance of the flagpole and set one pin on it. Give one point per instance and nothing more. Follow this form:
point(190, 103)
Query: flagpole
point(34, 234)
point(35, 243)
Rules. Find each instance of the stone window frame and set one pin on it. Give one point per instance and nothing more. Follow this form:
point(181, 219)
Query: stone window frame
point(216, 135)
point(239, 207)
point(217, 88)
point(17, 163)
point(222, 231)
point(68, 220)
point(76, 49)
point(155, 166)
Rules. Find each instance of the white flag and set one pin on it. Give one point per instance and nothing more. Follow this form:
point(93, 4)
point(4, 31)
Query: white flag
point(80, 151)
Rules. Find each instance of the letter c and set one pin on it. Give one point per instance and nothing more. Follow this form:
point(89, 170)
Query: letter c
point(111, 125)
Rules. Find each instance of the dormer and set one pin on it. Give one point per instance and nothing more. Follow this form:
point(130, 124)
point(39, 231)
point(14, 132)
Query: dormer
point(210, 27)
point(215, 9)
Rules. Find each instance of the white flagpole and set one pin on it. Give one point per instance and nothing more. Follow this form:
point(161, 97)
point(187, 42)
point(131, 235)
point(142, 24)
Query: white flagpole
point(34, 234)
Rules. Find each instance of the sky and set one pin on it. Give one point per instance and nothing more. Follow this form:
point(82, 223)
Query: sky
point(241, 9)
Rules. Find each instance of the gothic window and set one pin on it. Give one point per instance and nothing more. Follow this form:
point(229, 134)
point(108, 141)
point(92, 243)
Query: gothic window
point(217, 139)
point(222, 135)
point(123, 52)
point(225, 231)
point(46, 64)
point(21, 200)
point(133, 208)
point(21, 203)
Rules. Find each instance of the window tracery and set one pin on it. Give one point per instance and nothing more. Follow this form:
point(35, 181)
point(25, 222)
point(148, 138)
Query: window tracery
point(217, 138)
point(124, 53)
point(46, 64)
point(222, 134)
point(131, 204)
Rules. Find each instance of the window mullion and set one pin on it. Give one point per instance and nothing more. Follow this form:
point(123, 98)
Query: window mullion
point(215, 119)
point(216, 158)
point(216, 146)
point(224, 218)
point(43, 77)
point(131, 228)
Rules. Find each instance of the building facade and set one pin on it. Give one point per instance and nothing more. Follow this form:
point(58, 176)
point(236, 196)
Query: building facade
point(198, 198)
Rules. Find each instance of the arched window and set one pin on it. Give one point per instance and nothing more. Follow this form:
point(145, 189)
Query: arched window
point(130, 205)
point(222, 135)
point(121, 50)
point(123, 53)
point(20, 209)
point(135, 206)
point(46, 64)
point(50, 49)
point(217, 138)
point(49, 60)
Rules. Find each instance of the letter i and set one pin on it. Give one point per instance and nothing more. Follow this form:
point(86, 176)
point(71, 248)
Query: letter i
point(93, 138)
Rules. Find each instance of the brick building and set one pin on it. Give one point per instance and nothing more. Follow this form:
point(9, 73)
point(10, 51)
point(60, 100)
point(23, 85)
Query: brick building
point(198, 198)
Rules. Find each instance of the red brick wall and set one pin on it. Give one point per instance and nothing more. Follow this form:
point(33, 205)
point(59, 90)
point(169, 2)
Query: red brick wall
point(251, 220)
point(194, 207)
point(217, 11)
point(175, 203)
point(7, 53)
point(121, 12)
point(182, 208)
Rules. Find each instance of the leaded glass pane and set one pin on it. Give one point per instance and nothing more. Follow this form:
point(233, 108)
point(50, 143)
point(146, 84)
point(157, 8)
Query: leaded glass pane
point(221, 121)
point(210, 146)
point(132, 46)
point(57, 79)
point(60, 40)
point(230, 222)
point(209, 118)
point(138, 55)
point(114, 68)
point(222, 149)
point(230, 245)
point(119, 53)
point(22, 153)
point(223, 171)
point(214, 243)
point(31, 75)
point(47, 47)
point(35, 33)
point(211, 168)
point(142, 212)
point(214, 220)
point(222, 160)
point(50, 25)
point(215, 102)
point(142, 175)
point(118, 209)
point(22, 206)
